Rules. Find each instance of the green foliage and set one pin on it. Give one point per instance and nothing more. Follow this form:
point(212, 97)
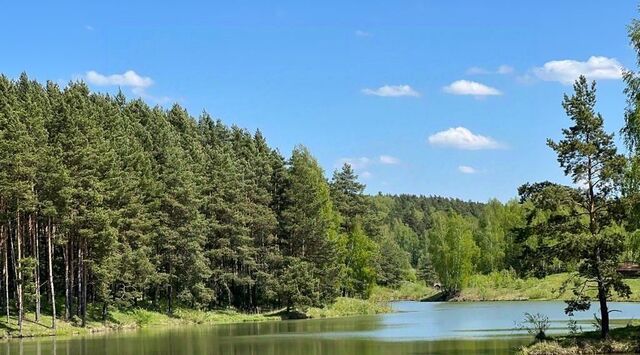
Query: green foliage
point(549, 213)
point(536, 324)
point(360, 263)
point(588, 155)
point(297, 286)
point(495, 235)
point(452, 250)
point(311, 223)
point(393, 262)
point(142, 317)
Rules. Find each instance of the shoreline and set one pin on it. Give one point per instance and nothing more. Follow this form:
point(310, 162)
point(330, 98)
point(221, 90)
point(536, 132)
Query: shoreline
point(145, 319)
point(623, 340)
point(483, 288)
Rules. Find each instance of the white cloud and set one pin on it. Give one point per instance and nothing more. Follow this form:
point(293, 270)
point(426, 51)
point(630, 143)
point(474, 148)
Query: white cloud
point(128, 78)
point(389, 160)
point(356, 163)
point(361, 33)
point(138, 84)
point(362, 164)
point(392, 91)
point(566, 71)
point(466, 87)
point(503, 70)
point(88, 28)
point(462, 138)
point(467, 169)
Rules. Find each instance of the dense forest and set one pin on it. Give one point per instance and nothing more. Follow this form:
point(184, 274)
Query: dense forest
point(109, 203)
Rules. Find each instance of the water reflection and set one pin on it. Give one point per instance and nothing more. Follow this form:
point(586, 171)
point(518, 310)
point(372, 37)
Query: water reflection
point(417, 328)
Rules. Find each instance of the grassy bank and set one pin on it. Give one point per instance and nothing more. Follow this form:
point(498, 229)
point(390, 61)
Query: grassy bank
point(406, 291)
point(121, 320)
point(623, 341)
point(345, 307)
point(141, 318)
point(504, 286)
point(493, 287)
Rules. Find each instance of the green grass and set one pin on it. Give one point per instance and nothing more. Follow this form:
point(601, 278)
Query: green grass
point(622, 341)
point(344, 307)
point(505, 286)
point(142, 318)
point(410, 291)
point(119, 320)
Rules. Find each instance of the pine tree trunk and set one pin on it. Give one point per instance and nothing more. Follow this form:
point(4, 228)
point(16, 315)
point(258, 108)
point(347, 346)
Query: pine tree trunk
point(33, 225)
point(104, 311)
point(604, 311)
point(5, 271)
point(3, 245)
point(80, 305)
point(19, 272)
point(84, 283)
point(66, 254)
point(50, 231)
point(78, 277)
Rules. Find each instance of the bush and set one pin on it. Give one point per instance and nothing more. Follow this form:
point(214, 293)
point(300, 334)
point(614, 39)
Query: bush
point(142, 317)
point(536, 324)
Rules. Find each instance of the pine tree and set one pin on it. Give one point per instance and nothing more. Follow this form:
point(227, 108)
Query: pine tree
point(311, 224)
point(588, 155)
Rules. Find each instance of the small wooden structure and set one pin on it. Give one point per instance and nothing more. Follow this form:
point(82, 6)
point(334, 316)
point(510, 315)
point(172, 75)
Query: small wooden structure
point(629, 270)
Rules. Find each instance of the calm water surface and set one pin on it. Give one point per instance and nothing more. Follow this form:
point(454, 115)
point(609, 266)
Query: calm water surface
point(415, 328)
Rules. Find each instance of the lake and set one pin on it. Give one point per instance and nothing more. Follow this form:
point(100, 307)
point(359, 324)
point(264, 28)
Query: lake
point(415, 328)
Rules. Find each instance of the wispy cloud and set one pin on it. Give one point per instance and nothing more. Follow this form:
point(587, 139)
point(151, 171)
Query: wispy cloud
point(389, 160)
point(363, 165)
point(129, 78)
point(392, 91)
point(566, 71)
point(356, 163)
point(138, 84)
point(462, 138)
point(472, 88)
point(156, 99)
point(359, 165)
point(361, 33)
point(505, 69)
point(88, 27)
point(502, 70)
point(467, 169)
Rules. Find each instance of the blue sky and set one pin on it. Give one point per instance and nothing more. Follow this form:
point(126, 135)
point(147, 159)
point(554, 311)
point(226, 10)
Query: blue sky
point(450, 98)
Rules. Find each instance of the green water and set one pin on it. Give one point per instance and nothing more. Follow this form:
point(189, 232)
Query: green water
point(415, 328)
